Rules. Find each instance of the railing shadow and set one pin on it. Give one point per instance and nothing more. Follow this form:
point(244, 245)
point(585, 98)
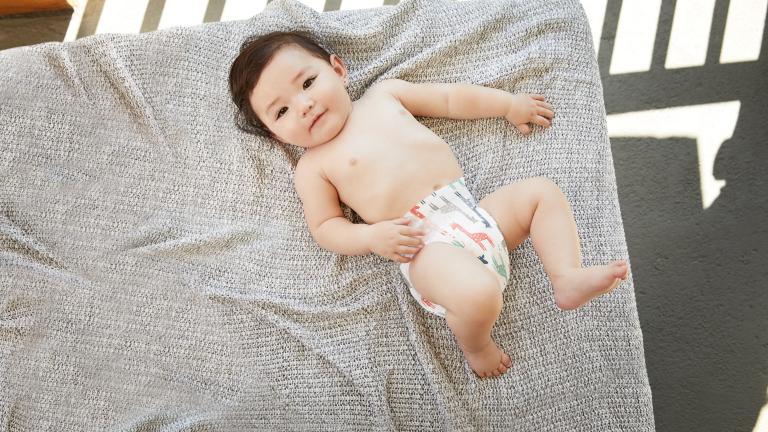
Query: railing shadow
point(700, 275)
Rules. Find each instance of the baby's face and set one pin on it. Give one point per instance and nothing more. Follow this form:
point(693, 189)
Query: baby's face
point(301, 98)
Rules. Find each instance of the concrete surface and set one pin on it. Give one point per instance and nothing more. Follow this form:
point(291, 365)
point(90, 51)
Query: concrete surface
point(701, 275)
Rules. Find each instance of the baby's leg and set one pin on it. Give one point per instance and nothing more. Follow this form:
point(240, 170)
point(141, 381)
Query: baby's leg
point(537, 207)
point(470, 293)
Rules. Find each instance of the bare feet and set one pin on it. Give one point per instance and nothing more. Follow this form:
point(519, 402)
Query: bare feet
point(488, 361)
point(578, 286)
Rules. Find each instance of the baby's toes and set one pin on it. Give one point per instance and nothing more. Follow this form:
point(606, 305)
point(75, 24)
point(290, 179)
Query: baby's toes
point(506, 360)
point(619, 269)
point(626, 270)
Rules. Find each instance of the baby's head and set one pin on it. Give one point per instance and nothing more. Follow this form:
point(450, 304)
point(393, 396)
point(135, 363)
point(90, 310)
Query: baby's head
point(288, 87)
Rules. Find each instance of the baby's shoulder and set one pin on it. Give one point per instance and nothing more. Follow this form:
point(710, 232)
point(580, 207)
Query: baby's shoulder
point(389, 85)
point(382, 90)
point(313, 163)
point(307, 164)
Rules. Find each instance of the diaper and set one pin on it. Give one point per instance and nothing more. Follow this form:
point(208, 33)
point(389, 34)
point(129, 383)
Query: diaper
point(452, 216)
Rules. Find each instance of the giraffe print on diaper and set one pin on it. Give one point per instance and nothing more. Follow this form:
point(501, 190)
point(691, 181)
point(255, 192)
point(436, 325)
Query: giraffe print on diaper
point(451, 215)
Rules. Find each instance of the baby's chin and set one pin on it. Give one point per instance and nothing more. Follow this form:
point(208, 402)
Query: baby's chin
point(307, 144)
point(316, 144)
point(328, 133)
point(318, 136)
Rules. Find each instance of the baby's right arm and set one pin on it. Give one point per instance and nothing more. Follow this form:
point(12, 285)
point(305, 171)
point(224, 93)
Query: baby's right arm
point(336, 233)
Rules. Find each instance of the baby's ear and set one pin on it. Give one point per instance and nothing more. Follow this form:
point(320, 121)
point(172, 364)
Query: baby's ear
point(334, 60)
point(338, 65)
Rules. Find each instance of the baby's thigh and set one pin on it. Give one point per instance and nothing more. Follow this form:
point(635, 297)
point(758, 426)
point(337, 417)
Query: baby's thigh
point(512, 207)
point(453, 278)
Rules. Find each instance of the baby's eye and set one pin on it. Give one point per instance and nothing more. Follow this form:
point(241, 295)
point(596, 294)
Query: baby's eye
point(308, 82)
point(282, 111)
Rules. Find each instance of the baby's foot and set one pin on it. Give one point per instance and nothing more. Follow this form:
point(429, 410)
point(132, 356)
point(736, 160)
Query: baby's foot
point(578, 286)
point(488, 361)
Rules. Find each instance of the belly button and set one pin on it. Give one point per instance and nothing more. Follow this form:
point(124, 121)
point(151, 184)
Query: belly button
point(352, 161)
point(435, 187)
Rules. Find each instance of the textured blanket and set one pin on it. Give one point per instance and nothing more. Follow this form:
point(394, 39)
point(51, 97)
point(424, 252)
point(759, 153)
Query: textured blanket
point(156, 271)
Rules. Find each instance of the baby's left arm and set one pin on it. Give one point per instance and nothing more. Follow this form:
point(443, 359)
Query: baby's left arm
point(468, 101)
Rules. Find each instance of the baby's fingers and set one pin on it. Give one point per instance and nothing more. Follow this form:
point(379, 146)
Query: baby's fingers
point(400, 258)
point(523, 128)
point(410, 241)
point(541, 121)
point(412, 232)
point(408, 250)
point(545, 112)
point(401, 221)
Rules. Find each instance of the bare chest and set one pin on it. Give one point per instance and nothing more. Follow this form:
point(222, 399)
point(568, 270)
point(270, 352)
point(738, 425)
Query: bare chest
point(385, 160)
point(379, 138)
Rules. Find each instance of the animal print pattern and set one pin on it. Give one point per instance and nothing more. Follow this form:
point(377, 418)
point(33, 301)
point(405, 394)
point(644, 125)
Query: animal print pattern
point(451, 215)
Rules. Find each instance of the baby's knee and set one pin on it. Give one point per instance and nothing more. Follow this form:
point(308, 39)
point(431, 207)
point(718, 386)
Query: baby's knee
point(545, 185)
point(482, 301)
point(546, 189)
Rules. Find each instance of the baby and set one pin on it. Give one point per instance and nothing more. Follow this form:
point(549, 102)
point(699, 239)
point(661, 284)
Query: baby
point(404, 181)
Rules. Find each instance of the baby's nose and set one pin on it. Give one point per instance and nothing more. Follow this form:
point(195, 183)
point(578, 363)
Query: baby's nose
point(307, 105)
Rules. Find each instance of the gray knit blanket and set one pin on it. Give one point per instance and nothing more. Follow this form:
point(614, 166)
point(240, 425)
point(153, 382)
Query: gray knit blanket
point(156, 271)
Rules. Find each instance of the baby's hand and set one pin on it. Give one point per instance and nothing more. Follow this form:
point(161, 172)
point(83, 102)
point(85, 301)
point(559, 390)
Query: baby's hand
point(525, 108)
point(394, 238)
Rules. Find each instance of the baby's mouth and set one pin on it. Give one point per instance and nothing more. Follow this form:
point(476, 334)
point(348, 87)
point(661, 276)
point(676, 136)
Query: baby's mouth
point(316, 120)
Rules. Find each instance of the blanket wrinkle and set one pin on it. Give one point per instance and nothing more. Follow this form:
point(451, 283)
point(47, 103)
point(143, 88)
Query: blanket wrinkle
point(127, 89)
point(14, 414)
point(62, 64)
point(390, 388)
point(312, 339)
point(17, 307)
point(317, 345)
point(206, 414)
point(426, 367)
point(15, 240)
point(166, 422)
point(203, 242)
point(420, 67)
point(310, 312)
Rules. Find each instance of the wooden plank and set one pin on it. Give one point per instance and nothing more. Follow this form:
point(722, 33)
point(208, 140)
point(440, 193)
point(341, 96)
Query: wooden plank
point(14, 7)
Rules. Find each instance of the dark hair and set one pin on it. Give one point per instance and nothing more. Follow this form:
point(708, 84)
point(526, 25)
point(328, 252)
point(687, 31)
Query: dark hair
point(254, 55)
